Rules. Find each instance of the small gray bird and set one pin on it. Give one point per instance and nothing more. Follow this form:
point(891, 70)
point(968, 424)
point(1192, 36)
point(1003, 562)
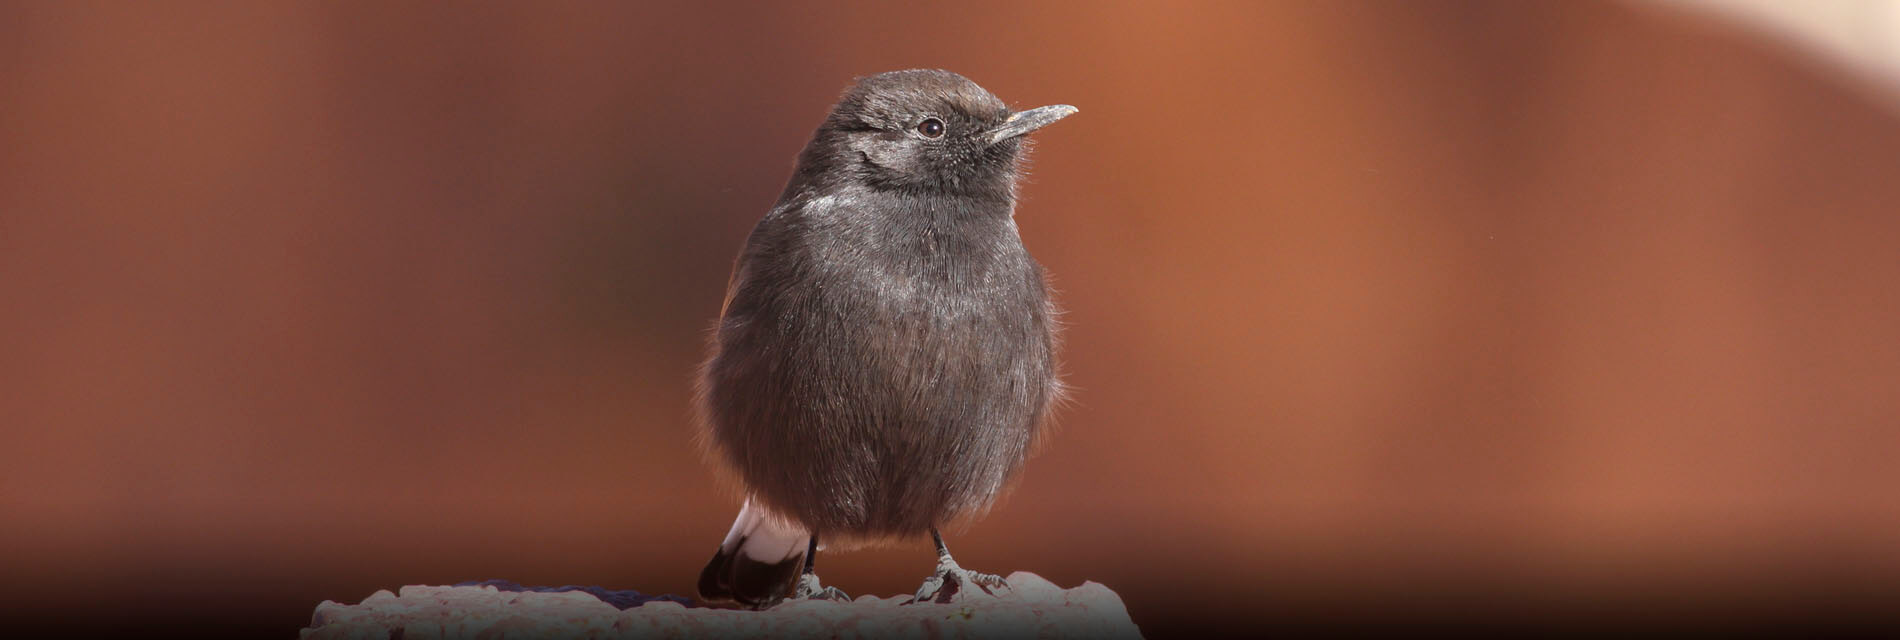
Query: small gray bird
point(886, 356)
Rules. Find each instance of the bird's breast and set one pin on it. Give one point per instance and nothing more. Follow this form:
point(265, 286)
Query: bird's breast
point(888, 288)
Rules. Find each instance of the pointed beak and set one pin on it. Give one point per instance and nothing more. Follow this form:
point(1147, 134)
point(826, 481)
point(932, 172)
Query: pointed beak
point(1023, 122)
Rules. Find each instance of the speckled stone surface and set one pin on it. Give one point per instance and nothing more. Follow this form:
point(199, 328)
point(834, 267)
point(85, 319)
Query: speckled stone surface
point(1032, 608)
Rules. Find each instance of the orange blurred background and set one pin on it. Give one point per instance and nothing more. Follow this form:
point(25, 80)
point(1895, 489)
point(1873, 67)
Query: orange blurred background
point(1376, 308)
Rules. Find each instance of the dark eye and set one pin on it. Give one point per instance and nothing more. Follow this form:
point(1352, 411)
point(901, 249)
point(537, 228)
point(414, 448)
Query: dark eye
point(931, 128)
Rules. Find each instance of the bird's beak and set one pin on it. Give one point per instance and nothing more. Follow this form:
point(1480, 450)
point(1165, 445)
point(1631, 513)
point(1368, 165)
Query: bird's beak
point(1023, 122)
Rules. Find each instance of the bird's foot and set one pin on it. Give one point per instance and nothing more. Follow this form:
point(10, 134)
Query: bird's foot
point(810, 589)
point(953, 583)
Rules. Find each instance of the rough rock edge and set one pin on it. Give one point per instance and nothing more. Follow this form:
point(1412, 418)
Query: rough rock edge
point(1033, 608)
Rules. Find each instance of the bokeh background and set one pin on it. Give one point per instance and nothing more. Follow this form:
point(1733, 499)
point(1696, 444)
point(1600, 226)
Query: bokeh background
point(1378, 309)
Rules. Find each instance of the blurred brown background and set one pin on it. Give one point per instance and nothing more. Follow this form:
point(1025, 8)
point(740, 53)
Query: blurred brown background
point(1377, 308)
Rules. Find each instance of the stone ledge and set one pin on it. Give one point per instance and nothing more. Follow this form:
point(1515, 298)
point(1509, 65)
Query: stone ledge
point(1033, 608)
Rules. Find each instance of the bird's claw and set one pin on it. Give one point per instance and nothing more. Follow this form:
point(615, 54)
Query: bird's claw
point(810, 589)
point(953, 583)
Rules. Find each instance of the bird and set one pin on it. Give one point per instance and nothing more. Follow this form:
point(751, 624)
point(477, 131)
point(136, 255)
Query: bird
point(886, 355)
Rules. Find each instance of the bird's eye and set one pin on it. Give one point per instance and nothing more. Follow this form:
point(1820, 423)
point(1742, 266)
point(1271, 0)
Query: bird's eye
point(931, 128)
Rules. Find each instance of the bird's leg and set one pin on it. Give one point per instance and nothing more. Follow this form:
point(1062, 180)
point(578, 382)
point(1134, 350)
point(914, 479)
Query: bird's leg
point(952, 583)
point(808, 586)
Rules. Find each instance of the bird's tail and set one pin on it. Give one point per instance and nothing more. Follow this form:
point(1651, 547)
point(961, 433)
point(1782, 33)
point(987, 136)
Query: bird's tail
point(758, 563)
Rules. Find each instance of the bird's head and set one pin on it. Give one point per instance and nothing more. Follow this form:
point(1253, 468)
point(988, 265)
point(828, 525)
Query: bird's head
point(924, 131)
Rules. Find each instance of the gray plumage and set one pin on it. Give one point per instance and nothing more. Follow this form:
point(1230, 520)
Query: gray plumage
point(886, 355)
